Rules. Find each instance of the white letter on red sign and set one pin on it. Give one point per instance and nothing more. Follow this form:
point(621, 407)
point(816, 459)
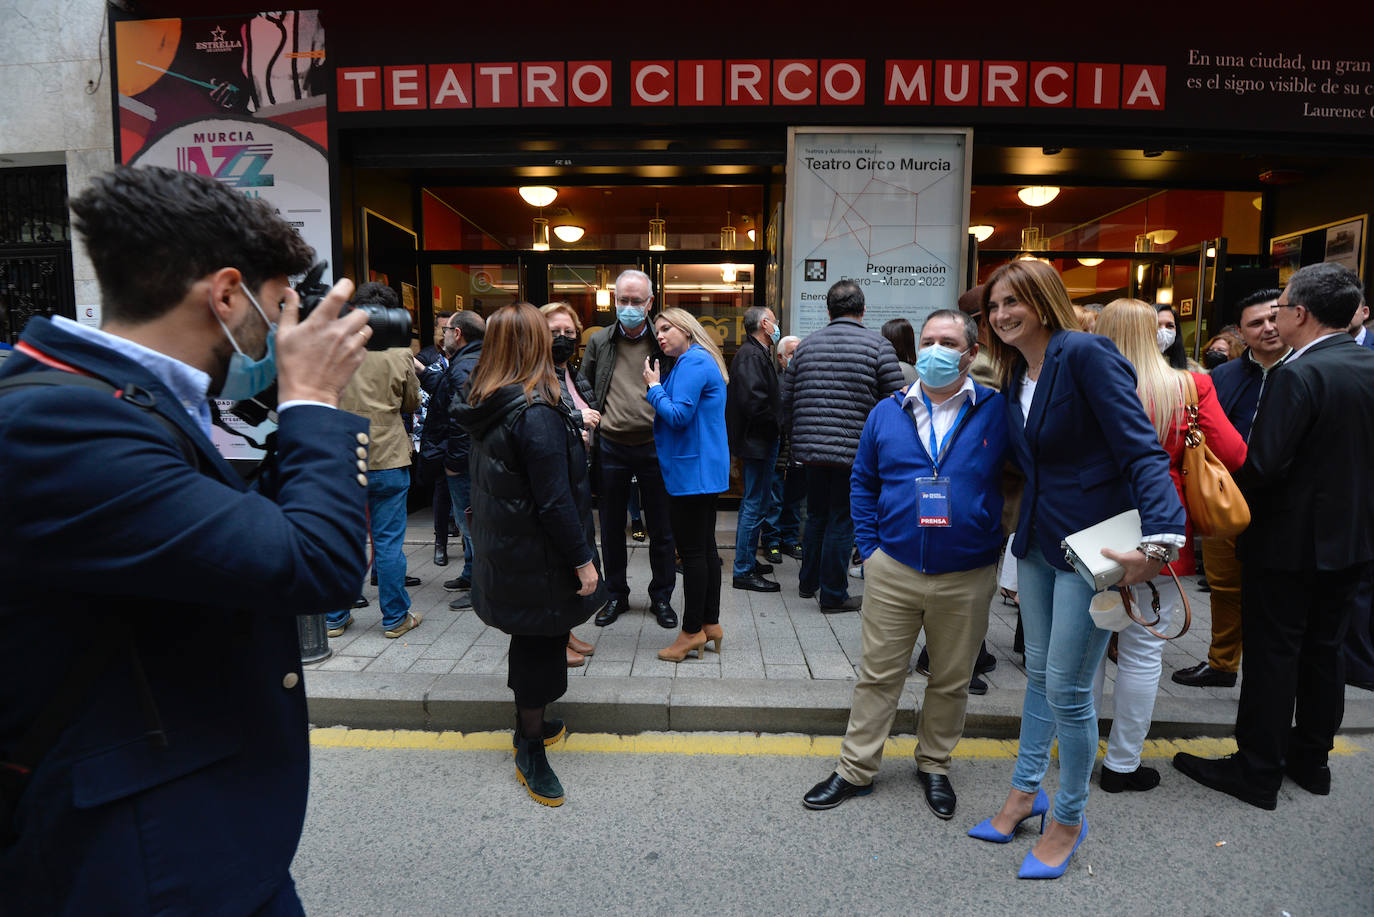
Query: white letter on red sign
point(789, 94)
point(1039, 85)
point(657, 70)
point(602, 78)
point(856, 82)
point(494, 74)
point(541, 77)
point(917, 83)
point(1003, 78)
point(357, 76)
point(404, 80)
point(746, 77)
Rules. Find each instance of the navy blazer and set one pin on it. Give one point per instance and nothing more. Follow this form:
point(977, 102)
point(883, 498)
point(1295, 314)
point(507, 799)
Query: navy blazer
point(1088, 449)
point(112, 536)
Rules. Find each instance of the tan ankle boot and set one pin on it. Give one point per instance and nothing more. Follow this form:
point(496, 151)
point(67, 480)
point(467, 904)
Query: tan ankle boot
point(575, 659)
point(580, 646)
point(713, 634)
point(684, 644)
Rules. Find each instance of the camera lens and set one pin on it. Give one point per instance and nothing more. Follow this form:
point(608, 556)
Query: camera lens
point(390, 326)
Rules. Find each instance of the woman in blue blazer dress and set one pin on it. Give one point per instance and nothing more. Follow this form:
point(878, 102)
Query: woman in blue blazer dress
point(689, 434)
point(1089, 452)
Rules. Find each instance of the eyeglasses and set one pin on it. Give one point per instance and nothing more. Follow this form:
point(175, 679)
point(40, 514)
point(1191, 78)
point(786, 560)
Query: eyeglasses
point(565, 334)
point(627, 301)
point(450, 328)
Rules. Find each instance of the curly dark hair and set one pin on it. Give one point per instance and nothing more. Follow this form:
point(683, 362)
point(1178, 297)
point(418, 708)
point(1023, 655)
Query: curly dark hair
point(153, 232)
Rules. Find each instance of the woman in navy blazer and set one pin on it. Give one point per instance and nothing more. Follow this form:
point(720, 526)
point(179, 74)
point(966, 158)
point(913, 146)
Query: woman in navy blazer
point(689, 434)
point(1081, 436)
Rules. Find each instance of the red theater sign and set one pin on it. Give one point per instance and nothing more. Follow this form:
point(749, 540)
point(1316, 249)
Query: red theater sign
point(761, 82)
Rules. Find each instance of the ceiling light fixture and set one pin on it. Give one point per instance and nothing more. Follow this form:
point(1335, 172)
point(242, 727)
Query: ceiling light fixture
point(569, 233)
point(982, 231)
point(1162, 236)
point(1090, 262)
point(538, 195)
point(727, 235)
point(658, 233)
point(728, 273)
point(1037, 195)
point(541, 235)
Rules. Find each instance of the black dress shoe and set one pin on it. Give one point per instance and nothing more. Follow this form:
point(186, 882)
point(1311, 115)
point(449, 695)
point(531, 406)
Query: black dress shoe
point(986, 662)
point(1204, 676)
point(441, 555)
point(832, 791)
point(853, 603)
point(1224, 776)
point(939, 794)
point(360, 602)
point(977, 686)
point(761, 569)
point(663, 612)
point(756, 583)
point(1312, 779)
point(923, 662)
point(461, 603)
point(610, 611)
point(410, 580)
point(1139, 780)
point(806, 593)
point(457, 584)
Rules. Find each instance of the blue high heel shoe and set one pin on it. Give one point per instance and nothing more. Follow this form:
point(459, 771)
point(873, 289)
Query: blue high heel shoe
point(1031, 868)
point(984, 830)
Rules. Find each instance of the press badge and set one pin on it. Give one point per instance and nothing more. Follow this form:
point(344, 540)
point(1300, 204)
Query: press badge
point(932, 501)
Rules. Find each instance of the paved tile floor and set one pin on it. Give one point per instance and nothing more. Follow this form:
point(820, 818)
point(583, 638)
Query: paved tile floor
point(777, 635)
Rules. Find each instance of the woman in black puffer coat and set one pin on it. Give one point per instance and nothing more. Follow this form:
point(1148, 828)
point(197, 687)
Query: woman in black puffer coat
point(535, 571)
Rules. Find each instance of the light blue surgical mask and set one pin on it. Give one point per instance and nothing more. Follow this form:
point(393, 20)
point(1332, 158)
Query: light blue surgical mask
point(775, 334)
point(630, 316)
point(938, 365)
point(246, 376)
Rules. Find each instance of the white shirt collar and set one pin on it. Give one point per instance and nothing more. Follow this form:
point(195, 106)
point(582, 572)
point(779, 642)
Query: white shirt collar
point(913, 394)
point(1308, 346)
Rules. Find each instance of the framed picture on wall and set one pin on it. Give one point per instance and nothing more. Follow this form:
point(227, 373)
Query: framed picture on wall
point(1341, 242)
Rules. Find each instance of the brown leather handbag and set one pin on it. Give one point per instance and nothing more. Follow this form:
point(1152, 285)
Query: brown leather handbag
point(1214, 502)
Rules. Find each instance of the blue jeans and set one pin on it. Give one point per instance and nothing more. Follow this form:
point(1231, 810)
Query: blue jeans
point(460, 495)
point(754, 506)
point(782, 525)
point(1063, 648)
point(829, 535)
point(386, 511)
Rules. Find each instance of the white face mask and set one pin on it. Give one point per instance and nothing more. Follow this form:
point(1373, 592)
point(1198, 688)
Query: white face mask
point(1165, 338)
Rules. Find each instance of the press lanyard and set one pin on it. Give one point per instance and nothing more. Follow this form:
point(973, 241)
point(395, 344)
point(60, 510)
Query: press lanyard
point(937, 452)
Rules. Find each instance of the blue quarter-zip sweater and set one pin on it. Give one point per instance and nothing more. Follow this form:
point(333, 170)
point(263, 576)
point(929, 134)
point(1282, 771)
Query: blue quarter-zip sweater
point(883, 487)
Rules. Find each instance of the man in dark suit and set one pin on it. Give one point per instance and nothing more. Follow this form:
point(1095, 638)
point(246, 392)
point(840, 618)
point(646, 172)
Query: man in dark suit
point(146, 583)
point(752, 422)
point(1359, 640)
point(1309, 545)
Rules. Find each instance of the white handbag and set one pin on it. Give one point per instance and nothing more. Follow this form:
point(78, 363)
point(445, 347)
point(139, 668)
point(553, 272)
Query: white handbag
point(1115, 610)
point(1083, 549)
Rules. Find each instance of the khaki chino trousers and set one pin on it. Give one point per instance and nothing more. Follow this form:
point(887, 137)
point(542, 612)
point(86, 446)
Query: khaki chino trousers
point(898, 603)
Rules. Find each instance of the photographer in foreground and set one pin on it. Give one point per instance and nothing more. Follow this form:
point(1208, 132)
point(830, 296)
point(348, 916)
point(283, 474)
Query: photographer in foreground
point(152, 715)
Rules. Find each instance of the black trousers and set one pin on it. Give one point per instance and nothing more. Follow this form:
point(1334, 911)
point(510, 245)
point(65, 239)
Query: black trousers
point(537, 669)
point(694, 531)
point(432, 473)
point(1359, 638)
point(619, 464)
point(1292, 696)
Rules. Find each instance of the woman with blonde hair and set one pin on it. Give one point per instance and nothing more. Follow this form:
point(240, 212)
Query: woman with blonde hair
point(1132, 326)
point(689, 434)
point(535, 572)
point(1088, 451)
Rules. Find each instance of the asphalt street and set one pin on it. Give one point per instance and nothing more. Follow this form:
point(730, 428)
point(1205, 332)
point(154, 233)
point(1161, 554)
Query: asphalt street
point(713, 824)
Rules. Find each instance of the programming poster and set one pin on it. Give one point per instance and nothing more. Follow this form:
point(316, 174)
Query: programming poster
point(885, 208)
point(242, 99)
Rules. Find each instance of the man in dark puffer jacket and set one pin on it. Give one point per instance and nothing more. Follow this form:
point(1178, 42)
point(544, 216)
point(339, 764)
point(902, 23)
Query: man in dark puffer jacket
point(838, 374)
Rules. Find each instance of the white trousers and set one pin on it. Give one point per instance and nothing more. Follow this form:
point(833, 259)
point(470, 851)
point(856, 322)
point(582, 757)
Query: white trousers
point(1139, 655)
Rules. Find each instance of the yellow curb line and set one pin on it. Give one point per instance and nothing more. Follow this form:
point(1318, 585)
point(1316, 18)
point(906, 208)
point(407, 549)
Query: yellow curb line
point(738, 744)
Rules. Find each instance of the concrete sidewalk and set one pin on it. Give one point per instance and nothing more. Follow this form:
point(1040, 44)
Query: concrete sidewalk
point(784, 667)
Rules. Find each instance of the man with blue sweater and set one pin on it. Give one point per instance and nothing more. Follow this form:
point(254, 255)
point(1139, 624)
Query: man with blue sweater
point(926, 495)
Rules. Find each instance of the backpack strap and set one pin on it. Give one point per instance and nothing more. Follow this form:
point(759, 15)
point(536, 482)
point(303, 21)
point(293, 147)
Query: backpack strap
point(130, 393)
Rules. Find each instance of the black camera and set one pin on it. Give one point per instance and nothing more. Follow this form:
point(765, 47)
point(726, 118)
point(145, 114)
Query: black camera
point(390, 324)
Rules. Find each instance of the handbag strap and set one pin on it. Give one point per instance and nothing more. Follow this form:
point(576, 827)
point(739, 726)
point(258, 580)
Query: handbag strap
point(1129, 605)
point(1194, 438)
